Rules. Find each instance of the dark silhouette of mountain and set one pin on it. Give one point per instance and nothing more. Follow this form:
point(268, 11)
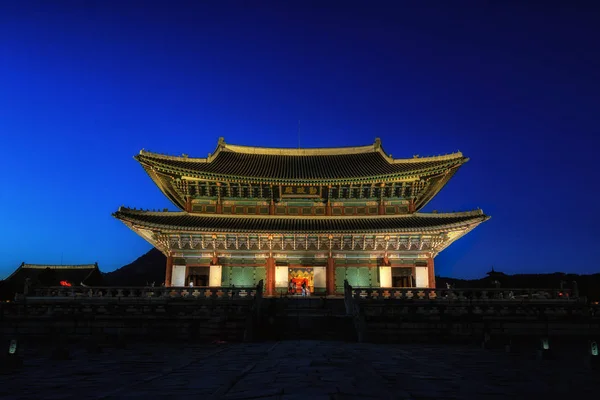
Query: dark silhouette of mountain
point(147, 269)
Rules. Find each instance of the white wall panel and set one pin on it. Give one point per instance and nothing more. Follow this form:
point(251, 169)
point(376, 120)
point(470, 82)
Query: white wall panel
point(385, 277)
point(215, 275)
point(320, 277)
point(422, 277)
point(281, 277)
point(178, 276)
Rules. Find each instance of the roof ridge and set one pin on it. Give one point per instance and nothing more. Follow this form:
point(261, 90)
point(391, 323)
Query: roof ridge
point(36, 266)
point(375, 147)
point(304, 151)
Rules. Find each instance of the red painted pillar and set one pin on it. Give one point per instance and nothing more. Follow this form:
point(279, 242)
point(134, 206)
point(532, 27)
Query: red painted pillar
point(330, 276)
point(431, 273)
point(381, 205)
point(272, 203)
point(328, 204)
point(188, 204)
point(169, 271)
point(219, 201)
point(272, 208)
point(411, 206)
point(270, 275)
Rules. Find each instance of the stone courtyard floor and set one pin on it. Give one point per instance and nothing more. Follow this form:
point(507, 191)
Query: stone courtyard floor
point(299, 370)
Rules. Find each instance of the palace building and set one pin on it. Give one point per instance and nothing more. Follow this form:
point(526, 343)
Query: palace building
point(319, 216)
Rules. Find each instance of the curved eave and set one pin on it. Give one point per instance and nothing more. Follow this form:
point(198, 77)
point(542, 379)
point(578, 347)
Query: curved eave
point(155, 164)
point(457, 234)
point(164, 184)
point(134, 219)
point(435, 187)
point(163, 177)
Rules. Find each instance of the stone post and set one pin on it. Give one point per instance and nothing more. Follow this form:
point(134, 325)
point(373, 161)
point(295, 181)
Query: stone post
point(348, 300)
point(593, 355)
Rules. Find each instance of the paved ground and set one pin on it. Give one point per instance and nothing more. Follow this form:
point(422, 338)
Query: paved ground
point(299, 370)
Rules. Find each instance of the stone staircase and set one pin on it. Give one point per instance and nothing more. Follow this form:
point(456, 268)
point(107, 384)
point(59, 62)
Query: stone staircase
point(306, 318)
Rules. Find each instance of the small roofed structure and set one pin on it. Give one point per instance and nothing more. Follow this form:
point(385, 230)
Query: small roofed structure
point(49, 275)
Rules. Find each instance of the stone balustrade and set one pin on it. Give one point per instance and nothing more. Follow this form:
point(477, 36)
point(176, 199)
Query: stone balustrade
point(188, 293)
point(467, 295)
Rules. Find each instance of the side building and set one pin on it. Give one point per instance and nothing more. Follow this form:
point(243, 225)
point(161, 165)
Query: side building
point(49, 275)
point(320, 216)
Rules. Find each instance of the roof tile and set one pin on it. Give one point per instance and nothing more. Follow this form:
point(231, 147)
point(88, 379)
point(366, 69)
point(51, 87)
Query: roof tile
point(226, 223)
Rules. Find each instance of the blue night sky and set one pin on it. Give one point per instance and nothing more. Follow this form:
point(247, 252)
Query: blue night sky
point(87, 84)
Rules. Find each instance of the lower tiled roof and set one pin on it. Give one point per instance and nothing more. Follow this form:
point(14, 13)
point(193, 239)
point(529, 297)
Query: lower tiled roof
point(297, 224)
point(49, 275)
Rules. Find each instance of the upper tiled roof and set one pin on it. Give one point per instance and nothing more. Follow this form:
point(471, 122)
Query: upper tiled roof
point(297, 224)
point(329, 164)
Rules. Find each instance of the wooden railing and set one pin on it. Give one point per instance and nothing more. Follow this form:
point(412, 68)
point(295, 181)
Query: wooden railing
point(474, 295)
point(190, 293)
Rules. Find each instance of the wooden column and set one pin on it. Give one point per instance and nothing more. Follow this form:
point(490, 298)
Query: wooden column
point(330, 276)
point(431, 273)
point(169, 271)
point(270, 275)
point(272, 207)
point(219, 201)
point(381, 206)
point(272, 202)
point(411, 206)
point(188, 204)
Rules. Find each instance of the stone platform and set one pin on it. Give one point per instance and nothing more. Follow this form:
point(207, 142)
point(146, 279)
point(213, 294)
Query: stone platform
point(298, 370)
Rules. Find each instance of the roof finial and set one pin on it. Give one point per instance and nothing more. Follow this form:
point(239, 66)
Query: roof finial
point(221, 141)
point(377, 143)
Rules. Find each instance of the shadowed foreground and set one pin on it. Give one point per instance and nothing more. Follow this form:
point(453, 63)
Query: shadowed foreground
point(298, 370)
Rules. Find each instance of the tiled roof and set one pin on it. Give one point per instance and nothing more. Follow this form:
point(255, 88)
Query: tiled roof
point(297, 224)
point(299, 164)
point(49, 275)
point(54, 266)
